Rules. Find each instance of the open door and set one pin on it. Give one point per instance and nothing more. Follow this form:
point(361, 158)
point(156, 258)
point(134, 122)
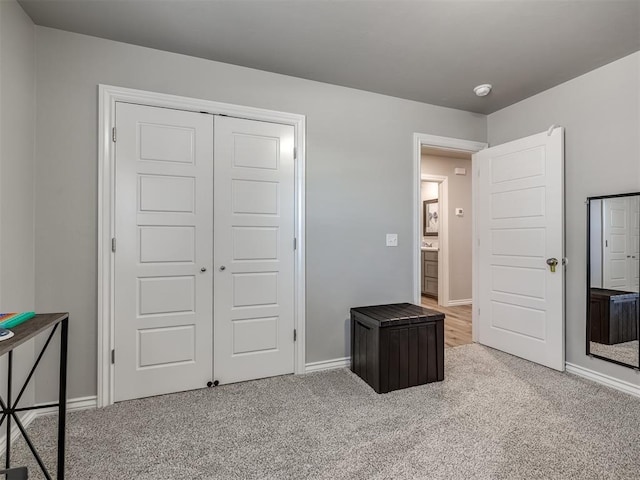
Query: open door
point(520, 226)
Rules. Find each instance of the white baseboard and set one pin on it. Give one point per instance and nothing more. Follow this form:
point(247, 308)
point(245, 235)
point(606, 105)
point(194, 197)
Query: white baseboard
point(603, 379)
point(327, 364)
point(73, 405)
point(457, 303)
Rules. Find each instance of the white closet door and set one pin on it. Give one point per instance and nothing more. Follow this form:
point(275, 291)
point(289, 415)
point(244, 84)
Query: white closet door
point(634, 242)
point(254, 250)
point(617, 238)
point(164, 245)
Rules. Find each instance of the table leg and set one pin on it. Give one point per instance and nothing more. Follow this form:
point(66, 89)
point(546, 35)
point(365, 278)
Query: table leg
point(62, 397)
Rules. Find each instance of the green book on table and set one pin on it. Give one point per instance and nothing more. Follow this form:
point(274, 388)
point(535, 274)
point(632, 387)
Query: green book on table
point(10, 320)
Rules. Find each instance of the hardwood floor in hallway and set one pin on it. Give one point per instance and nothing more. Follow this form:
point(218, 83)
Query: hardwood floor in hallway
point(457, 322)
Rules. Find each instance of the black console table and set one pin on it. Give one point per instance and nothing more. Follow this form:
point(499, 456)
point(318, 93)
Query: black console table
point(9, 409)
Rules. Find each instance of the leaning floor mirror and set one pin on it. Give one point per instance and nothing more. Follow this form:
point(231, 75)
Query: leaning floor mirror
point(613, 271)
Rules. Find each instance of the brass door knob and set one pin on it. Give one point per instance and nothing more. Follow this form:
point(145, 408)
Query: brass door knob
point(552, 262)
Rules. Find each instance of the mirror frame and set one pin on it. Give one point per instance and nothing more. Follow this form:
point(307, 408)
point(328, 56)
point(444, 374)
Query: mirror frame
point(425, 206)
point(588, 286)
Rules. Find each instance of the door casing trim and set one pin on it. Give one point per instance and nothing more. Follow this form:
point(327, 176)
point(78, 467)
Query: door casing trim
point(447, 143)
point(107, 97)
point(443, 234)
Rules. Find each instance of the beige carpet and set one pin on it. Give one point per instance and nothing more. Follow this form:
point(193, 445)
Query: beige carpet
point(494, 417)
point(626, 352)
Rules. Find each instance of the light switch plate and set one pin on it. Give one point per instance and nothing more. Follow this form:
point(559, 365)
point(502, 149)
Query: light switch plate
point(459, 212)
point(392, 239)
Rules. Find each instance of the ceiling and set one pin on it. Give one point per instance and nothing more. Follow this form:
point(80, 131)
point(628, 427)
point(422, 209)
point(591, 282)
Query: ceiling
point(424, 50)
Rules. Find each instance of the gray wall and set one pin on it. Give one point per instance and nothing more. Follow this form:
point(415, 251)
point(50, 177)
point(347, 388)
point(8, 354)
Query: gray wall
point(460, 228)
point(359, 182)
point(17, 130)
point(601, 114)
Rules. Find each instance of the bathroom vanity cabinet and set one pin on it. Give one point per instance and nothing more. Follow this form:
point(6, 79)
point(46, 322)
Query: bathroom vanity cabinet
point(430, 273)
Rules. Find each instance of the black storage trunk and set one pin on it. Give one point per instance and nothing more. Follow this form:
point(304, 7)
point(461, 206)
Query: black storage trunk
point(397, 346)
point(614, 316)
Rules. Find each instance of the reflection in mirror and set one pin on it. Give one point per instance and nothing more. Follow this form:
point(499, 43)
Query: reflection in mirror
point(614, 270)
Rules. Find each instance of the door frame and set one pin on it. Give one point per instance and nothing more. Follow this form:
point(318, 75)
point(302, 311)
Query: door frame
point(443, 235)
point(107, 97)
point(444, 143)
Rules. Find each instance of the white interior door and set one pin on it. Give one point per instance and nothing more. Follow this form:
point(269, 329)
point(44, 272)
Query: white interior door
point(617, 237)
point(521, 225)
point(254, 250)
point(164, 245)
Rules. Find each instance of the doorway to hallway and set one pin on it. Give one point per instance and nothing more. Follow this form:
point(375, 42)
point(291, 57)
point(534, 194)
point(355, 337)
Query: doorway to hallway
point(457, 327)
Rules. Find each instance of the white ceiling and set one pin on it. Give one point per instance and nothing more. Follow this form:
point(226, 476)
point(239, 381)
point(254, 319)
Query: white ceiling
point(424, 50)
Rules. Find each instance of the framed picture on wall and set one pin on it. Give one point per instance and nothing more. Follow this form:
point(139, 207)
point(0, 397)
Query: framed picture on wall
point(431, 217)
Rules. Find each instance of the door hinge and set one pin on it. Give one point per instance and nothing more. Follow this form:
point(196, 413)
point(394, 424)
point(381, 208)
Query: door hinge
point(113, 134)
point(478, 242)
point(295, 153)
point(478, 312)
point(295, 335)
point(113, 356)
point(113, 244)
point(295, 243)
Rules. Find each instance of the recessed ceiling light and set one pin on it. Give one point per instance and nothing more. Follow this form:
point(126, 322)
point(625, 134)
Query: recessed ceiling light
point(483, 90)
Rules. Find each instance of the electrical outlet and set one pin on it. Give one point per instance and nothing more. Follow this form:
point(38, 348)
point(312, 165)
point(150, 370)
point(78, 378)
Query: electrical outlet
point(392, 239)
